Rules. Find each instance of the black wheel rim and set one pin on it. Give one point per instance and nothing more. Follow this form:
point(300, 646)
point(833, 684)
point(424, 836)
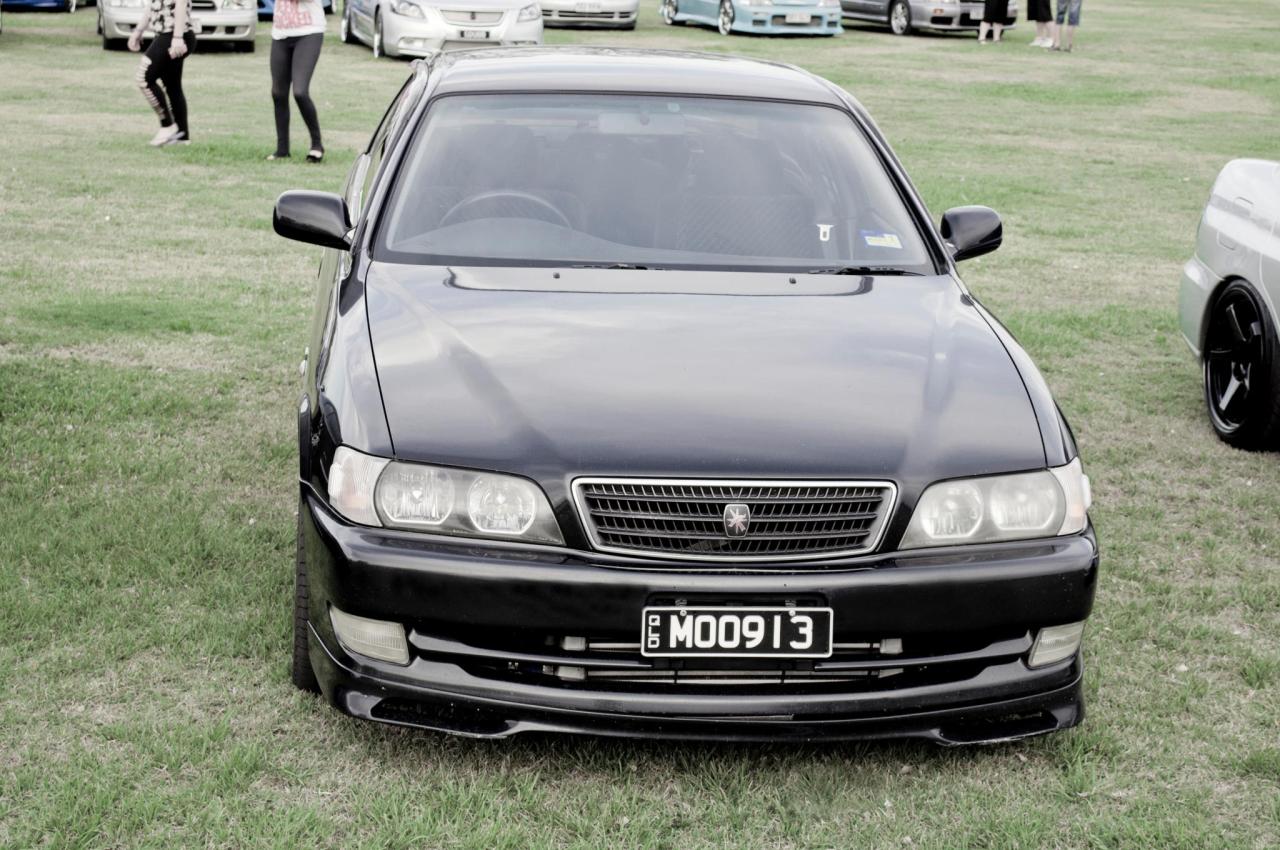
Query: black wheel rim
point(1233, 360)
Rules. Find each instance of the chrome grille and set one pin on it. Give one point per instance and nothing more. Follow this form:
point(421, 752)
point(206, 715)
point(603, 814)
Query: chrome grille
point(684, 519)
point(464, 18)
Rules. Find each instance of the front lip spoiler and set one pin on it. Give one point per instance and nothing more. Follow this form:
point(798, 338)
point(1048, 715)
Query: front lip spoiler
point(469, 716)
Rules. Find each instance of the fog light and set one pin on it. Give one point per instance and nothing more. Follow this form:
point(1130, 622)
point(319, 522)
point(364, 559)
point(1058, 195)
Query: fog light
point(1056, 643)
point(373, 638)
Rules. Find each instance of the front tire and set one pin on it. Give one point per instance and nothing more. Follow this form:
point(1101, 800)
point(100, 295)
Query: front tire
point(71, 7)
point(302, 673)
point(724, 21)
point(378, 49)
point(344, 27)
point(900, 17)
point(669, 9)
point(1241, 374)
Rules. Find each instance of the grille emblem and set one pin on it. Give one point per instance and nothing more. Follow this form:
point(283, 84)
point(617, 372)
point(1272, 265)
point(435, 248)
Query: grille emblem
point(737, 519)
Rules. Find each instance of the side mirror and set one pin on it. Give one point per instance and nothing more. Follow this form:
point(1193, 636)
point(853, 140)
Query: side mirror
point(972, 231)
point(317, 218)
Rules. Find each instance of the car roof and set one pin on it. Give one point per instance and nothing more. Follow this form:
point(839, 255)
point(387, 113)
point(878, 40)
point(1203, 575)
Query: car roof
point(610, 69)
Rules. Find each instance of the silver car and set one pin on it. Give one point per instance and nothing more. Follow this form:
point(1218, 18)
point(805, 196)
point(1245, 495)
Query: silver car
point(1228, 303)
point(600, 14)
point(903, 16)
point(233, 21)
point(412, 28)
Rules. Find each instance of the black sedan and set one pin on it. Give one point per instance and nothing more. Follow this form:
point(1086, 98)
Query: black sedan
point(643, 398)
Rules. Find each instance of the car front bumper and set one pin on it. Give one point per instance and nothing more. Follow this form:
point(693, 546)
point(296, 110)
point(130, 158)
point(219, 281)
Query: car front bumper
point(954, 16)
point(591, 13)
point(485, 624)
point(223, 25)
point(772, 20)
point(406, 36)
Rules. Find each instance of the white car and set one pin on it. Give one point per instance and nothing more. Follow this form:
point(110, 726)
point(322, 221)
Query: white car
point(234, 21)
point(601, 14)
point(412, 28)
point(1229, 304)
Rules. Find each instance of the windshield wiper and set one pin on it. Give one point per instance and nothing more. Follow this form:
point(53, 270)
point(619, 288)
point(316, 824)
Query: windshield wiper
point(615, 266)
point(865, 270)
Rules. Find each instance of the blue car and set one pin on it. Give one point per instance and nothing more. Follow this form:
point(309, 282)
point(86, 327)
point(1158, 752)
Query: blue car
point(45, 5)
point(762, 17)
point(267, 7)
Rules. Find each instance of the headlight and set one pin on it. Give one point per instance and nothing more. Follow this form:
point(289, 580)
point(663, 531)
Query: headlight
point(375, 491)
point(760, 2)
point(1048, 503)
point(828, 2)
point(406, 8)
point(532, 12)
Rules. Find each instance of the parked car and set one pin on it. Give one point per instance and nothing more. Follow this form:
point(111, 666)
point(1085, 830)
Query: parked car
point(231, 21)
point(1229, 305)
point(46, 5)
point(904, 16)
point(413, 28)
point(266, 8)
point(761, 17)
point(598, 14)
point(643, 398)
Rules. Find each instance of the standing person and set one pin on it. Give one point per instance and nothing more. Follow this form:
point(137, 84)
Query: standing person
point(297, 34)
point(993, 14)
point(1068, 13)
point(160, 69)
point(1039, 12)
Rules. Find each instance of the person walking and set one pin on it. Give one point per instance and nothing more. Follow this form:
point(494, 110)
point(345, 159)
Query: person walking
point(160, 69)
point(297, 34)
point(1069, 14)
point(994, 13)
point(1041, 14)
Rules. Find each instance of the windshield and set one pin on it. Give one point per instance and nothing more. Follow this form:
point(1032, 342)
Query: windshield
point(647, 181)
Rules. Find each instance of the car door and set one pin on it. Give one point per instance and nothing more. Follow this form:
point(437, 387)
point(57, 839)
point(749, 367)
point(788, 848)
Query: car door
point(875, 9)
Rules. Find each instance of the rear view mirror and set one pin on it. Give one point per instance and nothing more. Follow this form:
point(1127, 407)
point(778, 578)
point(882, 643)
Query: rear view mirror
point(317, 218)
point(971, 231)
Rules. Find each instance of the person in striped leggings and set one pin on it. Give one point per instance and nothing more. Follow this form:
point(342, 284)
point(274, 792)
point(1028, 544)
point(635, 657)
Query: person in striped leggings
point(160, 69)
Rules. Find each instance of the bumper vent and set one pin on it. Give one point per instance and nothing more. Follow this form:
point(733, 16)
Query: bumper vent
point(740, 521)
point(463, 19)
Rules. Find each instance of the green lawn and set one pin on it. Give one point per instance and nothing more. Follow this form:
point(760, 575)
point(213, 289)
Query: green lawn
point(150, 330)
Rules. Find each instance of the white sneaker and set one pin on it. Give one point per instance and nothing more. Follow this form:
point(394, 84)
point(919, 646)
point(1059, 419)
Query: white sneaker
point(178, 138)
point(1039, 42)
point(164, 135)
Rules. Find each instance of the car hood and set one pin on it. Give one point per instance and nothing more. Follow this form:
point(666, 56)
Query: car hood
point(554, 374)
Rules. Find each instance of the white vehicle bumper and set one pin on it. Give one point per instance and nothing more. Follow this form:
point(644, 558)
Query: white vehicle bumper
point(406, 36)
point(589, 13)
point(223, 25)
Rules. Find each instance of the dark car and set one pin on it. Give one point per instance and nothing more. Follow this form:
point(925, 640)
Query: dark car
point(643, 399)
point(905, 16)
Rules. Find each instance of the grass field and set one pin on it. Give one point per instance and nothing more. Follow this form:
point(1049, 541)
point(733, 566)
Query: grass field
point(150, 330)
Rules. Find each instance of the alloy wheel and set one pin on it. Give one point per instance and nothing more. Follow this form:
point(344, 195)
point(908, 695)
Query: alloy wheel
point(669, 11)
point(1233, 359)
point(344, 26)
point(725, 21)
point(377, 36)
point(900, 18)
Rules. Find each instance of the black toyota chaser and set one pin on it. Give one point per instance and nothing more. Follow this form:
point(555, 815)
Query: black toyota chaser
point(643, 398)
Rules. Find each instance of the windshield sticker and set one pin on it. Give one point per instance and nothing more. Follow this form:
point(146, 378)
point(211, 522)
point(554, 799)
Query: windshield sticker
point(881, 240)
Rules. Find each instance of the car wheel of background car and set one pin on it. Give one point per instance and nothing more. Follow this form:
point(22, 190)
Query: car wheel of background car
point(1241, 375)
point(724, 22)
point(99, 20)
point(377, 34)
point(344, 26)
point(900, 17)
point(302, 673)
point(71, 6)
point(670, 8)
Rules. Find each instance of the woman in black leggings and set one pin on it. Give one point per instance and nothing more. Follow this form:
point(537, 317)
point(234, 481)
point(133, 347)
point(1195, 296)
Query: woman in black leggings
point(297, 34)
point(160, 71)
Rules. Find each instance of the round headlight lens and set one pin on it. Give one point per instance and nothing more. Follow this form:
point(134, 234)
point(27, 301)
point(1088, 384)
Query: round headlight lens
point(1026, 503)
point(951, 511)
point(414, 495)
point(501, 505)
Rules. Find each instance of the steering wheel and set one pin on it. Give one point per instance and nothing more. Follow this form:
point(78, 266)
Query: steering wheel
point(542, 203)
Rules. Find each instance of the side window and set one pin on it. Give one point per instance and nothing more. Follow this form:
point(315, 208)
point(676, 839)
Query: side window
point(392, 121)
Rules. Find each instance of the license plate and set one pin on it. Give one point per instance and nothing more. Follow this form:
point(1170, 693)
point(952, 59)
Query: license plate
point(587, 7)
point(479, 35)
point(674, 632)
point(798, 17)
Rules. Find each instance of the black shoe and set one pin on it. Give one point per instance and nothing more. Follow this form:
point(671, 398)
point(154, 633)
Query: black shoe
point(315, 155)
